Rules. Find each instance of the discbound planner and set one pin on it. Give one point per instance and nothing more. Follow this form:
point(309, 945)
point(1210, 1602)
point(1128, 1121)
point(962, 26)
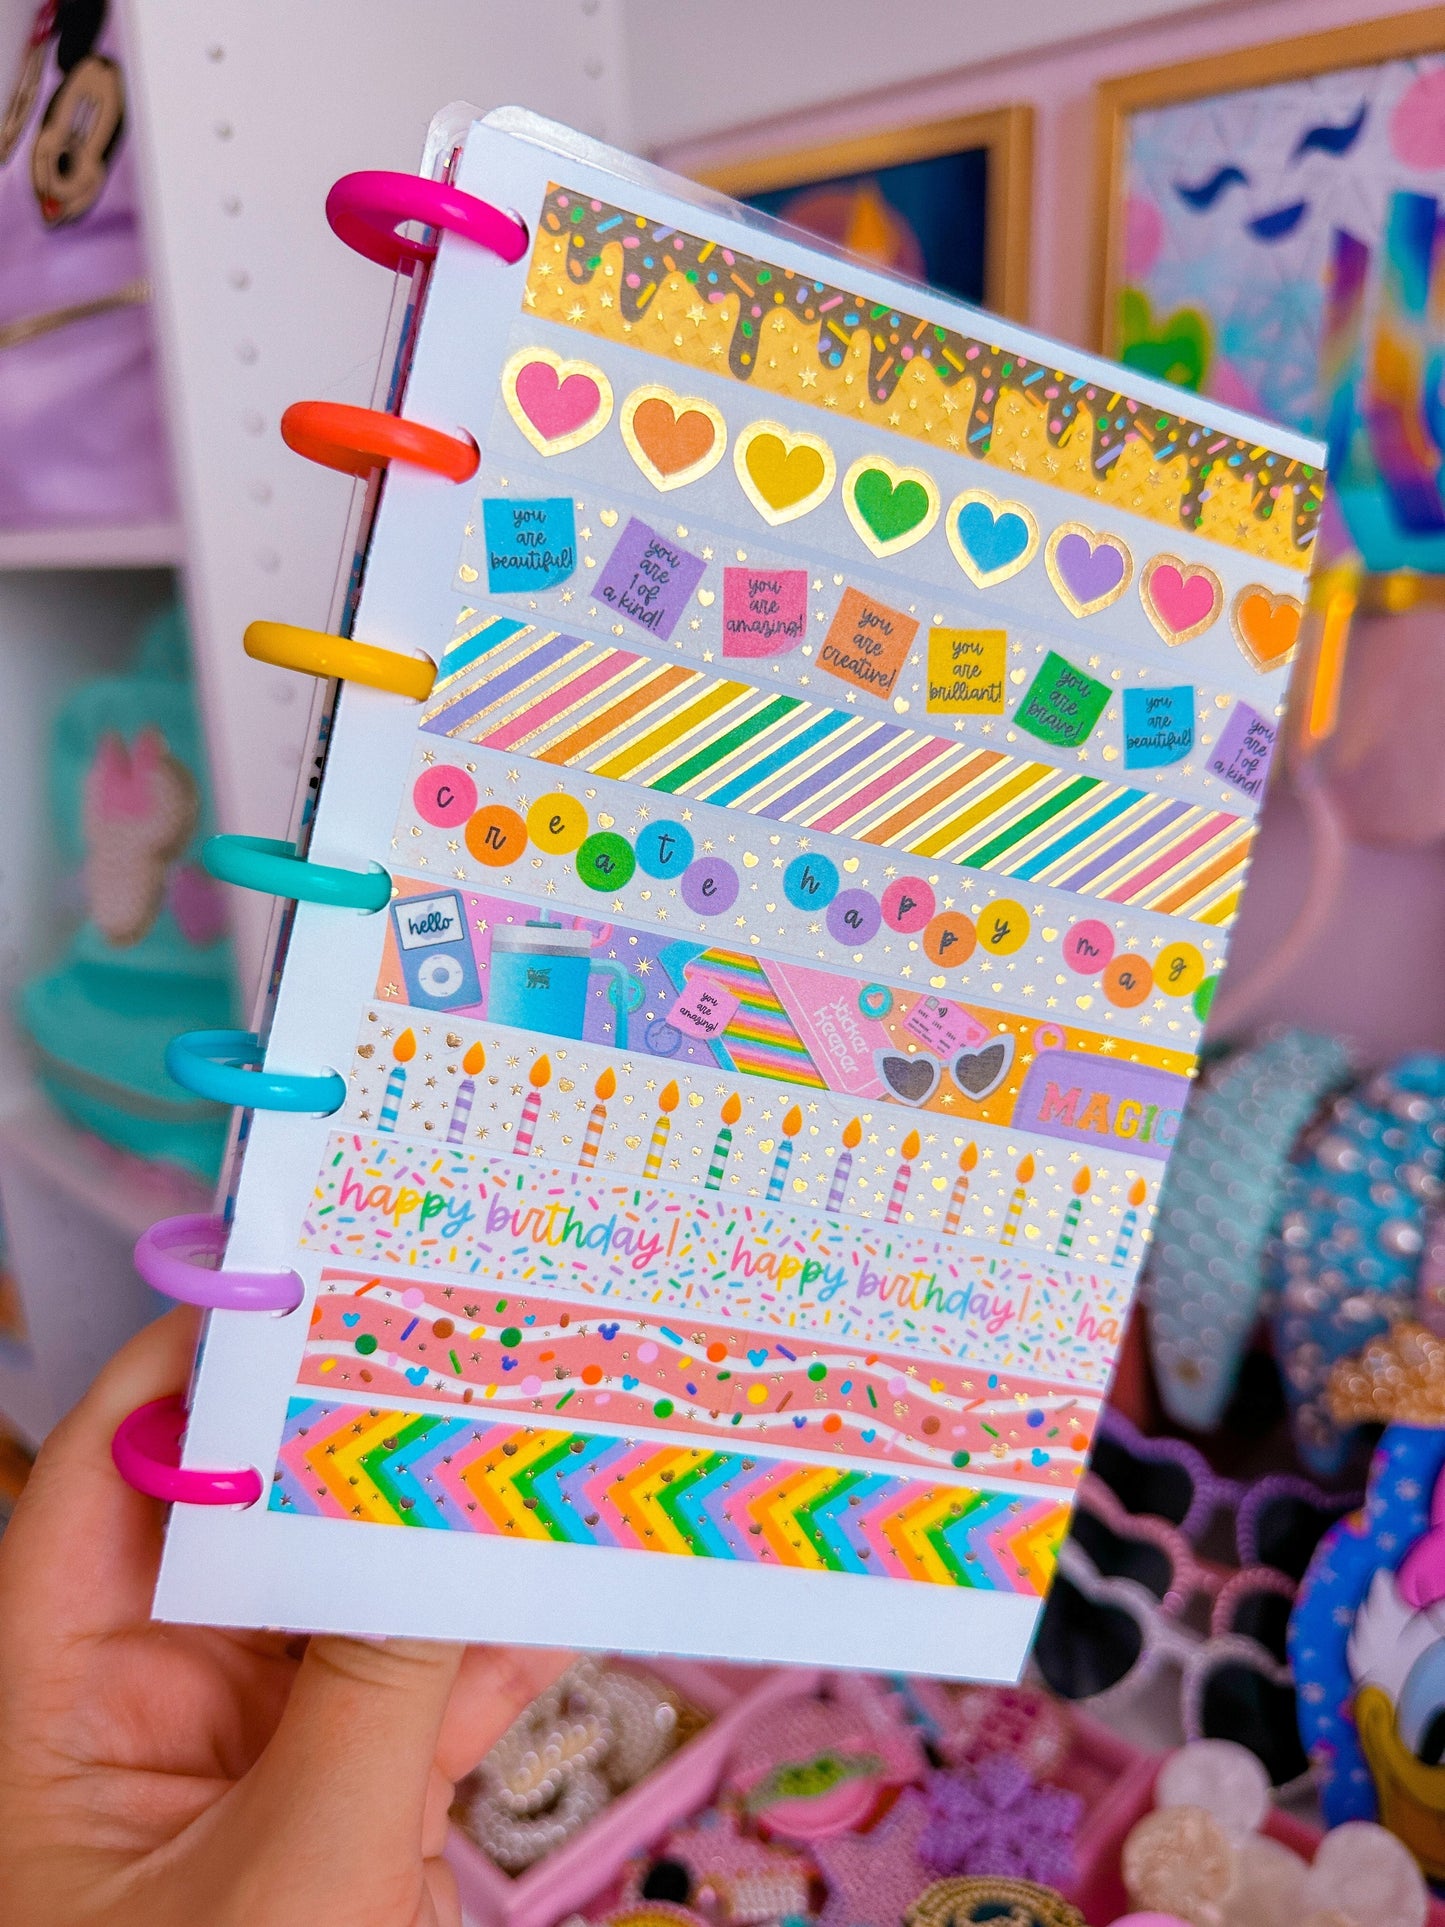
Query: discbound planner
point(809, 872)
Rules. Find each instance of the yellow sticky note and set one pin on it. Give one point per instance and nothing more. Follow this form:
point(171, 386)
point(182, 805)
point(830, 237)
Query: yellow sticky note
point(966, 669)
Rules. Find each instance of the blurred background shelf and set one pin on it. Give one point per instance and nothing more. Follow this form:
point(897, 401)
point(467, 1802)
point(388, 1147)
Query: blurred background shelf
point(141, 545)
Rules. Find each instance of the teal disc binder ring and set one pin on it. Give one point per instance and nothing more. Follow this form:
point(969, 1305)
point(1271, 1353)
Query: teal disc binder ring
point(222, 1065)
point(265, 863)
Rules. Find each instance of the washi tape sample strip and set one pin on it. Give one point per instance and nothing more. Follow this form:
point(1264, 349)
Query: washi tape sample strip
point(816, 862)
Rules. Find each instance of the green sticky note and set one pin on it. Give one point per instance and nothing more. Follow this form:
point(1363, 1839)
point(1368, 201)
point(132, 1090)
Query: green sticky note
point(1062, 703)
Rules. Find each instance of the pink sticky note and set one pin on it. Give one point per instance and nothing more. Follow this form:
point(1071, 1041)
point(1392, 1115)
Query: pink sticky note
point(765, 611)
point(704, 1008)
point(945, 1027)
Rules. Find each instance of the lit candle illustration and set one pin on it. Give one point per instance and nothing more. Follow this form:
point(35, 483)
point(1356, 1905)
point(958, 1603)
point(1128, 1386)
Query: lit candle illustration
point(732, 1110)
point(792, 1124)
point(1024, 1176)
point(538, 1077)
point(403, 1050)
point(472, 1064)
point(602, 1090)
point(1071, 1216)
point(843, 1169)
point(902, 1178)
point(666, 1105)
point(967, 1159)
point(1138, 1191)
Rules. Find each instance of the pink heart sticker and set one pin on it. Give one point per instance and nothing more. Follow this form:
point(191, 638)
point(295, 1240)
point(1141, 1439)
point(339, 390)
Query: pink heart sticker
point(556, 408)
point(1181, 603)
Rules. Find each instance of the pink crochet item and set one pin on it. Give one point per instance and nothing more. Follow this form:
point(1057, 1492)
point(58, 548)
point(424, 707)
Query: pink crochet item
point(873, 1877)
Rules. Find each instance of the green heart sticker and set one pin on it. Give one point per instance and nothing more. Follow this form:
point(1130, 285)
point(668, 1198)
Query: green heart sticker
point(889, 511)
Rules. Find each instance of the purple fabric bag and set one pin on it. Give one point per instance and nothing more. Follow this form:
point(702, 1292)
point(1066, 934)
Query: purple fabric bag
point(81, 433)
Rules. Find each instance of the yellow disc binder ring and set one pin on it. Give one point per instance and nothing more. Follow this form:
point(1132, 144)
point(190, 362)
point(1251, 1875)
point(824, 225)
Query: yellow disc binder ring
point(315, 653)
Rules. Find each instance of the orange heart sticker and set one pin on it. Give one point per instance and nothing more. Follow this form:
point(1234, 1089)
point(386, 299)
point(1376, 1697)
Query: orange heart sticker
point(674, 439)
point(1266, 625)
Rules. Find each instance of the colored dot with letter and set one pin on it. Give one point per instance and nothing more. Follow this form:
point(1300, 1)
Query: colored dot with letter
point(557, 823)
point(710, 886)
point(949, 939)
point(1128, 980)
point(444, 797)
point(854, 917)
point(496, 835)
point(1088, 947)
point(605, 861)
point(1003, 927)
point(664, 850)
point(908, 903)
point(1179, 970)
point(810, 882)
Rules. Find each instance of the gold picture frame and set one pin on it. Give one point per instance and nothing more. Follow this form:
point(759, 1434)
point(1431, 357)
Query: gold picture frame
point(1400, 36)
point(1005, 133)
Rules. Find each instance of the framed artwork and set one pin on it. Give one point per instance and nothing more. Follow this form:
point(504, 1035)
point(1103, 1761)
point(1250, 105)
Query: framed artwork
point(1272, 234)
point(945, 202)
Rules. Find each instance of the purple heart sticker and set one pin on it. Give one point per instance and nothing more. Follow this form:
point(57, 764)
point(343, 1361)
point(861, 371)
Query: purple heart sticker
point(1088, 572)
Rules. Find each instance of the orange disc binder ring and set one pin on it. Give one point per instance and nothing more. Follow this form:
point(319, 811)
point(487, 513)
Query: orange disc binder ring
point(314, 653)
point(360, 440)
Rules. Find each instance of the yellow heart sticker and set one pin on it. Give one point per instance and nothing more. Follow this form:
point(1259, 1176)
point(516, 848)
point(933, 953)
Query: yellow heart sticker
point(783, 472)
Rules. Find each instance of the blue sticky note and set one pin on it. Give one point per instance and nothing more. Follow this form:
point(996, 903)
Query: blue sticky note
point(1158, 726)
point(530, 545)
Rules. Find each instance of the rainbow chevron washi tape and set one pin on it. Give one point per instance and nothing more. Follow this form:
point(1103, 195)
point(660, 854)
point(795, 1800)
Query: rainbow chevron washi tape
point(618, 714)
point(389, 1467)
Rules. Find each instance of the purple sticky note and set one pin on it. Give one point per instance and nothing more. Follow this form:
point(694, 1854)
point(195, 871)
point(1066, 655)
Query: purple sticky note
point(649, 579)
point(1242, 754)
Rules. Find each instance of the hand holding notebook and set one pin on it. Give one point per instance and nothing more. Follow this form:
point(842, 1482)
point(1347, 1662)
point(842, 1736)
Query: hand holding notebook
point(794, 774)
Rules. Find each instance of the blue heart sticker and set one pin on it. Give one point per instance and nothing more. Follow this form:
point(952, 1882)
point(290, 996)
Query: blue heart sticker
point(868, 1437)
point(350, 1319)
point(758, 1359)
point(993, 541)
point(799, 1423)
point(416, 1375)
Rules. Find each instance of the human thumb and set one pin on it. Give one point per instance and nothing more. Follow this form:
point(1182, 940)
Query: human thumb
point(343, 1781)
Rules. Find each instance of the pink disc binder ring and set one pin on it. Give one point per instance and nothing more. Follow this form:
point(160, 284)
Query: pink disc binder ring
point(365, 210)
point(147, 1454)
point(167, 1257)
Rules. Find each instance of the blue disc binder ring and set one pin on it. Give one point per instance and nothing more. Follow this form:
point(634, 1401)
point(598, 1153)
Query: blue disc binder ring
point(222, 1065)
